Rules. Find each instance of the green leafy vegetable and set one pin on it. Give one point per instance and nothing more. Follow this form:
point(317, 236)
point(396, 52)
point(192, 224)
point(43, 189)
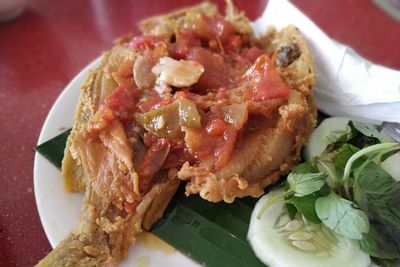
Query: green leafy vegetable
point(306, 206)
point(368, 130)
point(375, 190)
point(346, 189)
point(327, 166)
point(378, 194)
point(342, 156)
point(342, 216)
point(305, 167)
point(305, 184)
point(334, 162)
point(382, 241)
point(291, 210)
point(378, 148)
point(356, 138)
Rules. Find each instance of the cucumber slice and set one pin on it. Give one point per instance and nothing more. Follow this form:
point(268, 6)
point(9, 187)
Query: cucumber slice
point(327, 132)
point(280, 242)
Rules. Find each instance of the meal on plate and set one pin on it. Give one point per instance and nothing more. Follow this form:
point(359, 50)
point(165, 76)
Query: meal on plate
point(195, 99)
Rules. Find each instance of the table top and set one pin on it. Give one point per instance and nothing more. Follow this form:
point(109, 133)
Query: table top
point(41, 51)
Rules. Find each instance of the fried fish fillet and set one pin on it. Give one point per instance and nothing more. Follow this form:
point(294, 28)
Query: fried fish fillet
point(126, 172)
point(274, 148)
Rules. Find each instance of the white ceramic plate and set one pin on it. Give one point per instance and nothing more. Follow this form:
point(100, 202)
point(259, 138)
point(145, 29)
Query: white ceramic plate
point(59, 210)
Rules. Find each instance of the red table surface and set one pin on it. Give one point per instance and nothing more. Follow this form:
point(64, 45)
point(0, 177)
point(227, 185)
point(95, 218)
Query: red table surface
point(41, 51)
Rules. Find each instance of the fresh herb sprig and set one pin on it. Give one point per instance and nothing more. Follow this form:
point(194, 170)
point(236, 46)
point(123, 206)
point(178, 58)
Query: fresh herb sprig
point(346, 189)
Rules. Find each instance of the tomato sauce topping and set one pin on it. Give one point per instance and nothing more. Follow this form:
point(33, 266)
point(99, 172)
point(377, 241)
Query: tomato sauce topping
point(230, 62)
point(265, 81)
point(122, 102)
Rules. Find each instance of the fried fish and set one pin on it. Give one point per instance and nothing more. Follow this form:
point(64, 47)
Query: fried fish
point(196, 98)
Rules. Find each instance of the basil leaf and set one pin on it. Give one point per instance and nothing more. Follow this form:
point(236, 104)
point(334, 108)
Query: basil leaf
point(306, 206)
point(378, 194)
point(341, 216)
point(342, 156)
point(305, 184)
point(360, 140)
point(368, 130)
point(339, 157)
point(334, 163)
point(326, 165)
point(305, 167)
point(381, 241)
point(355, 137)
point(376, 191)
point(291, 210)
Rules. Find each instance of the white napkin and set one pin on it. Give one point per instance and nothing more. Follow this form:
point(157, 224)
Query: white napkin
point(347, 84)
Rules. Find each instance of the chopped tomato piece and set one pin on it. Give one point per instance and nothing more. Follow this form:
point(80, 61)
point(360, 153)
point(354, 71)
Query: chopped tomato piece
point(252, 54)
point(212, 28)
point(149, 41)
point(215, 127)
point(264, 80)
point(234, 42)
point(152, 163)
point(103, 117)
point(223, 28)
point(215, 73)
point(204, 27)
point(121, 102)
point(185, 39)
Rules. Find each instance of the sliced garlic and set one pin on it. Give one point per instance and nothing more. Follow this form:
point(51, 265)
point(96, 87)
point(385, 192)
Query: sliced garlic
point(182, 73)
point(142, 74)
